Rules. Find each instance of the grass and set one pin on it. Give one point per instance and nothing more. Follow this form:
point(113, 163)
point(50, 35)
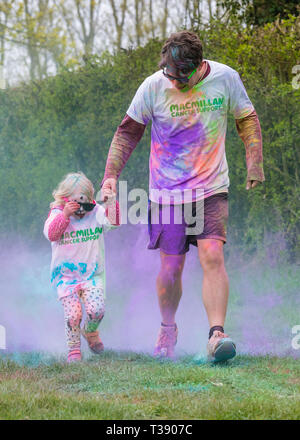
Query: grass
point(126, 385)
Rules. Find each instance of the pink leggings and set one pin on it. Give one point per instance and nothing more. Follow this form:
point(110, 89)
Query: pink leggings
point(93, 300)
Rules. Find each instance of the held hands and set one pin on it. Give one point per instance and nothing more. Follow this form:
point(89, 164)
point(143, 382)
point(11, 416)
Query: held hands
point(109, 197)
point(109, 191)
point(70, 208)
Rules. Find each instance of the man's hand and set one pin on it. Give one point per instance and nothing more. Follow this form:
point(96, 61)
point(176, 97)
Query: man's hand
point(109, 189)
point(252, 184)
point(109, 197)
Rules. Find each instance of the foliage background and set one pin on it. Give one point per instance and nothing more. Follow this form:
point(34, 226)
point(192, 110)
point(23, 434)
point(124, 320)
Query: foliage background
point(66, 122)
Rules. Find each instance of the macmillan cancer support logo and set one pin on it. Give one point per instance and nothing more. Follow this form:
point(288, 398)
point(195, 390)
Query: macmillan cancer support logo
point(2, 338)
point(296, 78)
point(80, 236)
point(199, 106)
point(296, 338)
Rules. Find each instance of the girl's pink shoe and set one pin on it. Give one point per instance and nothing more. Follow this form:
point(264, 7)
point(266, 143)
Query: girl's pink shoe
point(74, 356)
point(94, 342)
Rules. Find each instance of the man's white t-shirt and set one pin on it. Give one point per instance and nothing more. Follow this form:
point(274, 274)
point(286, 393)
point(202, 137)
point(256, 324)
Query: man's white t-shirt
point(78, 258)
point(188, 131)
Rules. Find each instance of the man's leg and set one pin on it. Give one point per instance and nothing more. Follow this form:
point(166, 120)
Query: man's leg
point(215, 289)
point(169, 286)
point(215, 286)
point(169, 290)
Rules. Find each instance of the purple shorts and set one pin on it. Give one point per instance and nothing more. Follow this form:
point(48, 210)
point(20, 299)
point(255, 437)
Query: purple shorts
point(172, 238)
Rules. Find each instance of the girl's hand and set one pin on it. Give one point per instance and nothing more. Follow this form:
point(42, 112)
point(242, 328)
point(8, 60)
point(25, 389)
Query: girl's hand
point(70, 208)
point(112, 212)
point(109, 197)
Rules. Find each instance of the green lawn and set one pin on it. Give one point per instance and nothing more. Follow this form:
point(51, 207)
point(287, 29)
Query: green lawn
point(135, 386)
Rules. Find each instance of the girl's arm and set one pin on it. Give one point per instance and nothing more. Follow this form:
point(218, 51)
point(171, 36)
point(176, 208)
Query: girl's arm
point(55, 225)
point(112, 213)
point(108, 217)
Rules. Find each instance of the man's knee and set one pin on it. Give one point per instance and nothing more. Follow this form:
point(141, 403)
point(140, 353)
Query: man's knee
point(211, 254)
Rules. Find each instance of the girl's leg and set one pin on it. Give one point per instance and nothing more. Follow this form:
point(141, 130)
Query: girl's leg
point(73, 316)
point(93, 299)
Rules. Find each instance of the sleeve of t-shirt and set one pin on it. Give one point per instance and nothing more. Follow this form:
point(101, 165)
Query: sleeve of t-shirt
point(239, 103)
point(140, 108)
point(53, 213)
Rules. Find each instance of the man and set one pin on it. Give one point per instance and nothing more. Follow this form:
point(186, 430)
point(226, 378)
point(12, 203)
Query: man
point(187, 102)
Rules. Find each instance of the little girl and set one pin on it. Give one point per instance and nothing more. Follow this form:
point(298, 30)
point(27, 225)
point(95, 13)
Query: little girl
point(75, 227)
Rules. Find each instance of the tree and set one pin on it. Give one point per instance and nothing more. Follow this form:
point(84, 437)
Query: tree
point(82, 20)
point(5, 13)
point(32, 30)
point(259, 12)
point(119, 19)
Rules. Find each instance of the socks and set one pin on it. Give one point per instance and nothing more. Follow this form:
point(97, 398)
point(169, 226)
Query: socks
point(168, 325)
point(215, 327)
point(211, 331)
point(74, 347)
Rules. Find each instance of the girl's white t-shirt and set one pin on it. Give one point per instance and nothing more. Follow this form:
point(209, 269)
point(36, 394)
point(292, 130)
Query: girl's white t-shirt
point(189, 129)
point(78, 257)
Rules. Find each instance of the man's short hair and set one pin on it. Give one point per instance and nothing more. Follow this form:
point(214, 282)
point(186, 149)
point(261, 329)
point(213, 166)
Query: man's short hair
point(183, 50)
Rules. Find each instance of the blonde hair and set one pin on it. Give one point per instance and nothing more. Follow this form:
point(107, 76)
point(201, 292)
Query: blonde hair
point(69, 184)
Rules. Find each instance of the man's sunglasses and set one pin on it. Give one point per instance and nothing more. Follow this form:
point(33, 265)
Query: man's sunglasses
point(86, 206)
point(182, 79)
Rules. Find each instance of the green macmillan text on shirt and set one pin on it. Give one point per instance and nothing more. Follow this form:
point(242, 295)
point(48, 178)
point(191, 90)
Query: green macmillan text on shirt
point(196, 107)
point(80, 236)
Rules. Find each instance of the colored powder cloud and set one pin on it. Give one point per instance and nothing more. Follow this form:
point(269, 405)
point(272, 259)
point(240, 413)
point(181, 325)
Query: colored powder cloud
point(262, 310)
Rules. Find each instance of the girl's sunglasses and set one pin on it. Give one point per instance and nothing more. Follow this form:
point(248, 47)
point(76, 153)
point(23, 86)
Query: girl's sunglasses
point(86, 206)
point(182, 79)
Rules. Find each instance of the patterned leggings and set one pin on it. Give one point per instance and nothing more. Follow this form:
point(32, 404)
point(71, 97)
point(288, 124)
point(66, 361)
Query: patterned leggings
point(93, 301)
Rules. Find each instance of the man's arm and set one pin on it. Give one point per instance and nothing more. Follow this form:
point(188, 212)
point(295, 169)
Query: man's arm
point(250, 132)
point(126, 138)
